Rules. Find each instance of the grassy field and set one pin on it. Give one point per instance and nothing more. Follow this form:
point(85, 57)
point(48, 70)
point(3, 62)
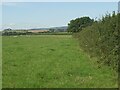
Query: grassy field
point(52, 61)
point(0, 62)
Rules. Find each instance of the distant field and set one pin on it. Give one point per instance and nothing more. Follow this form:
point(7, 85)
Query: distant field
point(52, 61)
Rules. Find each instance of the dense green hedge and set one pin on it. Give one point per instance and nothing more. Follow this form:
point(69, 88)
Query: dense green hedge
point(30, 33)
point(101, 40)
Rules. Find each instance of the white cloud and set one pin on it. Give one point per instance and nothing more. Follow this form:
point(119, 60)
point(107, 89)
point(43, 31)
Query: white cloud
point(12, 24)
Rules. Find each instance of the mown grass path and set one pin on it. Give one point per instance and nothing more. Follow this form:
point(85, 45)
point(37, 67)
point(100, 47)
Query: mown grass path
point(51, 61)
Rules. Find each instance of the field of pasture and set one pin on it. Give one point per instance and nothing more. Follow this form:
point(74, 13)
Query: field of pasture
point(51, 61)
point(0, 62)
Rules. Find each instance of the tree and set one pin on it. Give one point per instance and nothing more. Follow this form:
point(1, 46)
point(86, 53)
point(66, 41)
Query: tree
point(52, 30)
point(79, 23)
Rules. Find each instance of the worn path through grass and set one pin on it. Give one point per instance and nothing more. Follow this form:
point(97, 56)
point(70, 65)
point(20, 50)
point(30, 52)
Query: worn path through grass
point(52, 61)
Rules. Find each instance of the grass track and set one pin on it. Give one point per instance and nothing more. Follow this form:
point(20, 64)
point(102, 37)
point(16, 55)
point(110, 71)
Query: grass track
point(51, 61)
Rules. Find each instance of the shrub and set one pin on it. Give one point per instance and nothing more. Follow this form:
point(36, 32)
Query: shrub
point(101, 40)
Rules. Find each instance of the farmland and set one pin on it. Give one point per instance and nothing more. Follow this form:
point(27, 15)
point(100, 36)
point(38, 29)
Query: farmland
point(0, 62)
point(51, 61)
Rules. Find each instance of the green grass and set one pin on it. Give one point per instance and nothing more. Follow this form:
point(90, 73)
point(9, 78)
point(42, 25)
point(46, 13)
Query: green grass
point(0, 62)
point(52, 61)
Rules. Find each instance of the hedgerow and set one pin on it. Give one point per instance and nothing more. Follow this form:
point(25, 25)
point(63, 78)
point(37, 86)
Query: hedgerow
point(101, 40)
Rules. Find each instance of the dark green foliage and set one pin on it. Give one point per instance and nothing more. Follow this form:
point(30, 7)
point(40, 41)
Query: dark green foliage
point(79, 23)
point(10, 32)
point(101, 40)
point(22, 32)
point(51, 30)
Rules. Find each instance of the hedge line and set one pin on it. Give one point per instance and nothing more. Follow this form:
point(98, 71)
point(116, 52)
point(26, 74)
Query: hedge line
point(27, 33)
point(101, 40)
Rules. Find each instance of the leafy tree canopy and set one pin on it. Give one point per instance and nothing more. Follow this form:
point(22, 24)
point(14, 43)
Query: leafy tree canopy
point(79, 23)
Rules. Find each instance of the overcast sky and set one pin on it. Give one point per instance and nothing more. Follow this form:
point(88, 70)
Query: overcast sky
point(50, 14)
